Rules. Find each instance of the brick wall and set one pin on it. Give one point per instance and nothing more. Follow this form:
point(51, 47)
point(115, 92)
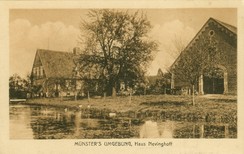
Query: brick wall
point(227, 46)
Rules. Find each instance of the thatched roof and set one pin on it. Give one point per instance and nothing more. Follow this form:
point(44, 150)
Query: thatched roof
point(57, 64)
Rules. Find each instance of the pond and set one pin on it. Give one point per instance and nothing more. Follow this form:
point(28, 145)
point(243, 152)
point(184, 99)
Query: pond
point(45, 122)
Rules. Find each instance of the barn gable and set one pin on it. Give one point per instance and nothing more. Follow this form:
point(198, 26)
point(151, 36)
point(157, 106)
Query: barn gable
point(226, 36)
point(230, 30)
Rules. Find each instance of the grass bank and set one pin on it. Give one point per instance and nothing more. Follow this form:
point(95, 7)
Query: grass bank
point(208, 108)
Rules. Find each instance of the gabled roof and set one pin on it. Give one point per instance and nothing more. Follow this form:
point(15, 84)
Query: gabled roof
point(233, 29)
point(228, 27)
point(57, 64)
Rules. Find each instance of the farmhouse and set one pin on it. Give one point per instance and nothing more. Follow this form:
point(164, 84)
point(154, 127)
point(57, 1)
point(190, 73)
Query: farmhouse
point(53, 73)
point(58, 73)
point(226, 81)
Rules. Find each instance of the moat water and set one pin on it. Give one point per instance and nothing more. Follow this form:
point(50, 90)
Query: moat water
point(42, 122)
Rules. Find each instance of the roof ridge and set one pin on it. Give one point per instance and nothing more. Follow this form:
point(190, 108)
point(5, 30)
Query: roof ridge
point(224, 23)
point(230, 27)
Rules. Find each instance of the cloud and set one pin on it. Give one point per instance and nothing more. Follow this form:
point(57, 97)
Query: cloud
point(25, 38)
point(166, 34)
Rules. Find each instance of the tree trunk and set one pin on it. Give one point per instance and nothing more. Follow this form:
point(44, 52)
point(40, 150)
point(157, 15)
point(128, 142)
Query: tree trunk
point(88, 96)
point(113, 91)
point(75, 95)
point(104, 95)
point(193, 95)
point(111, 88)
point(61, 96)
point(126, 86)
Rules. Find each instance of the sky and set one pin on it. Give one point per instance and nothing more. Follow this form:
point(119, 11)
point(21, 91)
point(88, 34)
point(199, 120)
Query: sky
point(58, 29)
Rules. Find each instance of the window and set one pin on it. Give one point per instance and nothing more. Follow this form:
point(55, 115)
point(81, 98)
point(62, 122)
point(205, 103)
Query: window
point(67, 83)
point(41, 71)
point(211, 33)
point(34, 72)
point(37, 72)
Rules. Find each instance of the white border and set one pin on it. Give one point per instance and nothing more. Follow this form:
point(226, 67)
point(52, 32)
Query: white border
point(183, 146)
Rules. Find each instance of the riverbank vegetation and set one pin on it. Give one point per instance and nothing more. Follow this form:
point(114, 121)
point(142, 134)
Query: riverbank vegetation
point(213, 116)
point(208, 108)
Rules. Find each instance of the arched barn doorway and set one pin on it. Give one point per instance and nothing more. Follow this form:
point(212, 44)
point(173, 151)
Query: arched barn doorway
point(215, 81)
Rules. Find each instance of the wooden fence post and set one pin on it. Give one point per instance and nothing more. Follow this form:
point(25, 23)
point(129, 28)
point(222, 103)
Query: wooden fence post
point(193, 133)
point(202, 131)
point(104, 95)
point(226, 131)
point(130, 98)
point(88, 96)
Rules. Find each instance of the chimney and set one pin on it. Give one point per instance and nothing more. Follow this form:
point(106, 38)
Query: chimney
point(76, 50)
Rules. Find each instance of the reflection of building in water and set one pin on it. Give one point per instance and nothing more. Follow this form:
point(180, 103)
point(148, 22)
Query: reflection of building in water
point(157, 130)
point(58, 116)
point(81, 125)
point(166, 129)
point(20, 123)
point(149, 130)
point(90, 123)
point(50, 123)
point(77, 122)
point(68, 116)
point(47, 112)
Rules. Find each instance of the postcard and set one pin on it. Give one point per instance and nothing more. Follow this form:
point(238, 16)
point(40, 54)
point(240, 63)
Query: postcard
point(121, 76)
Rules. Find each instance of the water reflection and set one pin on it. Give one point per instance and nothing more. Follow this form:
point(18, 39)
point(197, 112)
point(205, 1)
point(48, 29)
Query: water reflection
point(20, 123)
point(77, 123)
point(40, 122)
point(159, 129)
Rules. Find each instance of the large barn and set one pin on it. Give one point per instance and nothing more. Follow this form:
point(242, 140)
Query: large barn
point(226, 36)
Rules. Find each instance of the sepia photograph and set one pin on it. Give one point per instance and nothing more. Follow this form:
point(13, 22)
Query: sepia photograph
point(121, 77)
point(123, 73)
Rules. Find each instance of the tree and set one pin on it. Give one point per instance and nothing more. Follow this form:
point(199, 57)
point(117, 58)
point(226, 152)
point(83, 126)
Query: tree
point(160, 83)
point(165, 82)
point(174, 48)
point(176, 45)
point(18, 87)
point(116, 47)
point(189, 66)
